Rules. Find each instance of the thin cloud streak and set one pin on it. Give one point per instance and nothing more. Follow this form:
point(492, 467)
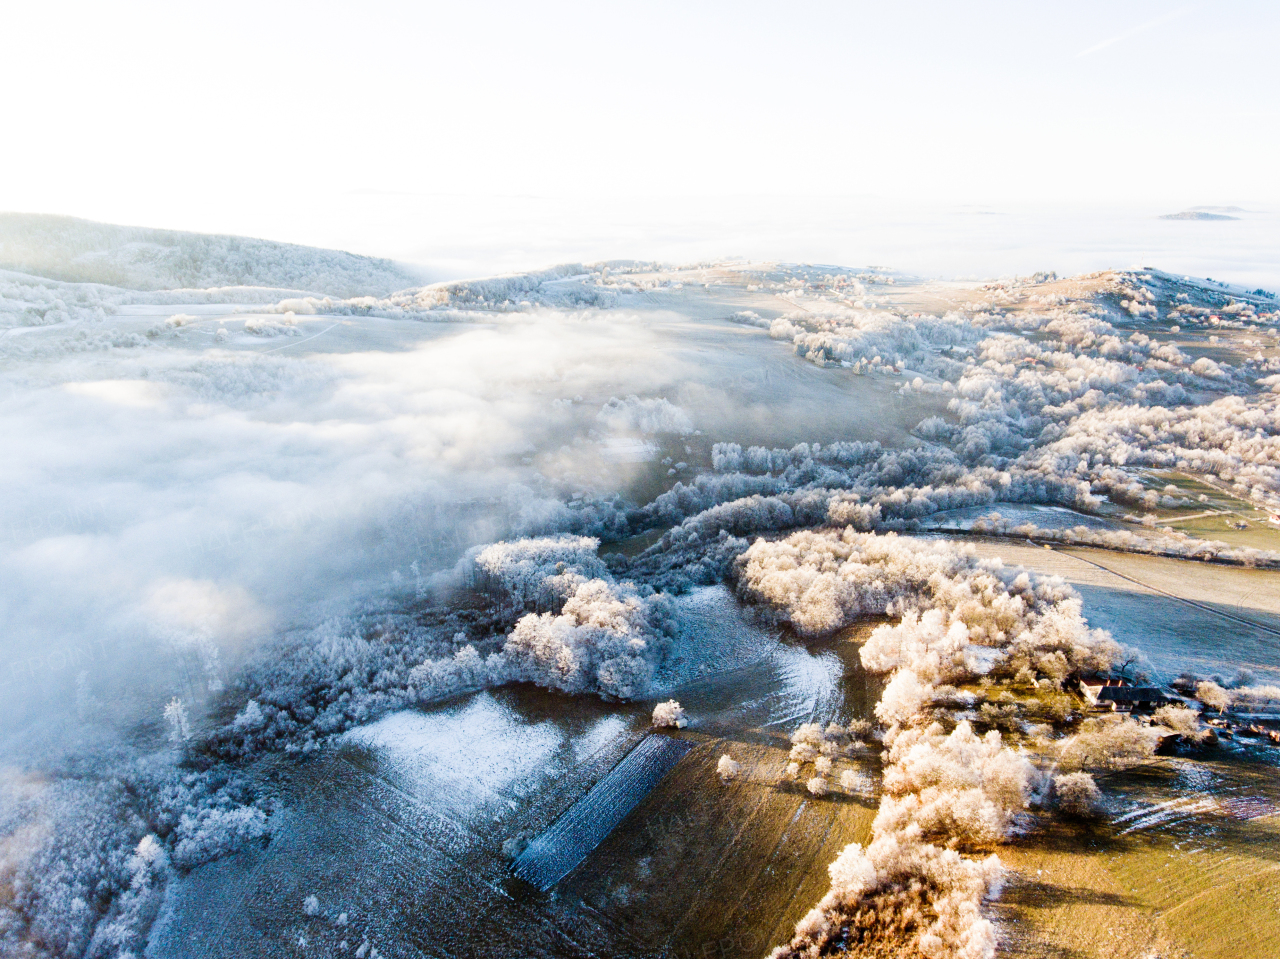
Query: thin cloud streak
point(1141, 28)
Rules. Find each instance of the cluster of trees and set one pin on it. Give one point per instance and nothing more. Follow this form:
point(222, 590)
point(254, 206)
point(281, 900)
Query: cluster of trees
point(1061, 420)
point(961, 617)
point(88, 858)
point(1255, 696)
point(913, 889)
point(903, 896)
point(957, 787)
point(1167, 543)
point(286, 325)
point(1060, 416)
point(1183, 721)
point(875, 339)
point(857, 484)
point(823, 747)
point(307, 685)
point(636, 415)
point(553, 615)
point(535, 573)
point(1107, 742)
point(606, 639)
point(1215, 696)
point(586, 632)
point(569, 285)
point(1058, 419)
point(92, 886)
point(27, 301)
point(1085, 399)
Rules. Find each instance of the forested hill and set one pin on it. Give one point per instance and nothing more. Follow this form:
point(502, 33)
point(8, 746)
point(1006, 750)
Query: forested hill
point(139, 258)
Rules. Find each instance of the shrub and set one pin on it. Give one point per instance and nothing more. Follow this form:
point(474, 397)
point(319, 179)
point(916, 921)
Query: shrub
point(669, 714)
point(1077, 794)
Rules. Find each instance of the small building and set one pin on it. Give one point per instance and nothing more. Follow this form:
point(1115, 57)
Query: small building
point(1118, 696)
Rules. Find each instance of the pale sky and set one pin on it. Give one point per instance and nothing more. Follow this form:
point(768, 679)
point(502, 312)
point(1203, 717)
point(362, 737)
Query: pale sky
point(201, 116)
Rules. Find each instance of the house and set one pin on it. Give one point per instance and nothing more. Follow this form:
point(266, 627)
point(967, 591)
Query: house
point(1118, 696)
point(1131, 698)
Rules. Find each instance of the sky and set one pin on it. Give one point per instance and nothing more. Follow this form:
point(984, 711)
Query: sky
point(308, 122)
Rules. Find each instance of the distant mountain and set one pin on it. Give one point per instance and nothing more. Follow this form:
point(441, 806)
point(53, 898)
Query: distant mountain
point(139, 258)
point(1199, 214)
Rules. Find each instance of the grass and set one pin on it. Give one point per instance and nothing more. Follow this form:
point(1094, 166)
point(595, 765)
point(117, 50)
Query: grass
point(1200, 884)
point(727, 866)
point(1213, 879)
point(1258, 534)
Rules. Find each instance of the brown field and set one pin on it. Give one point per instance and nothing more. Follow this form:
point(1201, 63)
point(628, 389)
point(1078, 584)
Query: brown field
point(1198, 878)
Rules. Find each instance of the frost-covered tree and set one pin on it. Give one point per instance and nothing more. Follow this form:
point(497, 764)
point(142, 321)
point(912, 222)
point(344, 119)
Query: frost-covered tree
point(669, 714)
point(728, 768)
point(1103, 743)
point(175, 714)
point(959, 620)
point(1183, 721)
point(853, 781)
point(634, 414)
point(1077, 794)
point(1213, 695)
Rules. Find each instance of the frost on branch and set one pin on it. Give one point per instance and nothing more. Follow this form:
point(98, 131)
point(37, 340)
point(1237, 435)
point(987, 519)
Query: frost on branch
point(1213, 695)
point(586, 633)
point(1107, 743)
point(1183, 721)
point(901, 897)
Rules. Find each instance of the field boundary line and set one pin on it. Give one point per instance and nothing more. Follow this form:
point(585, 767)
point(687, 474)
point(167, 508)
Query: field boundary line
point(1180, 599)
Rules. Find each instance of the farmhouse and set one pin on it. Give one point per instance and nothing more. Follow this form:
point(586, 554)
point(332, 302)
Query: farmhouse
point(1119, 696)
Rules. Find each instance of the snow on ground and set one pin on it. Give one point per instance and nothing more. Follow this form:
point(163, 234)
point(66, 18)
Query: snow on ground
point(730, 672)
point(478, 754)
point(715, 636)
point(1046, 517)
point(811, 688)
